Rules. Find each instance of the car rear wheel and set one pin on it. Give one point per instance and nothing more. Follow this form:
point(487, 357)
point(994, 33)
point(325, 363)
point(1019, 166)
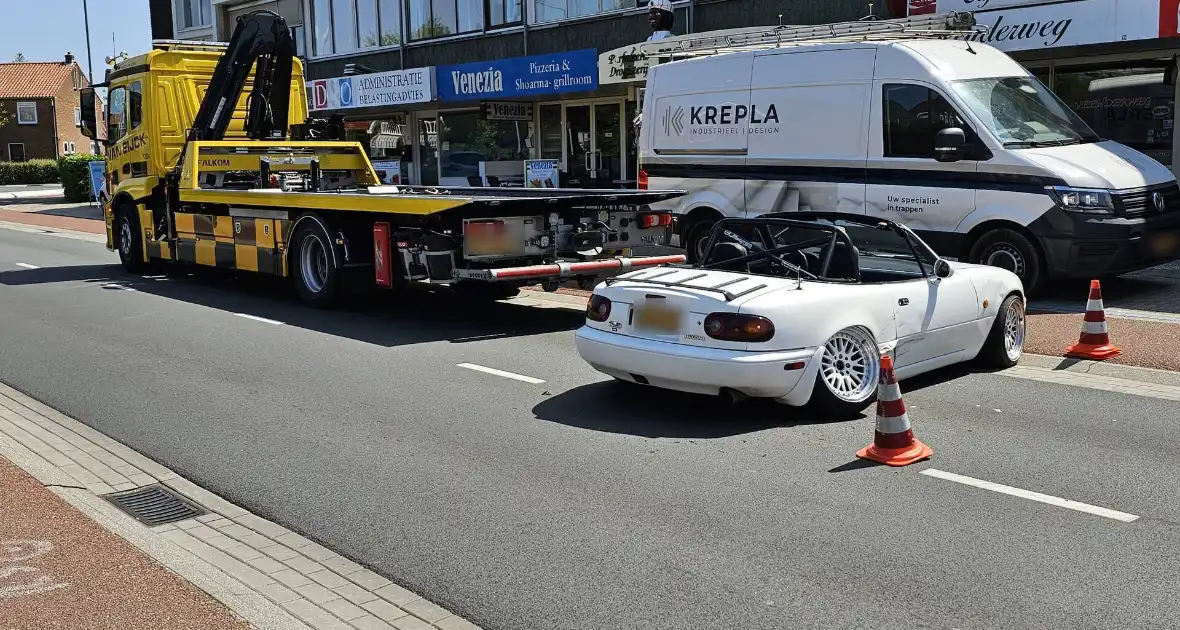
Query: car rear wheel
point(850, 367)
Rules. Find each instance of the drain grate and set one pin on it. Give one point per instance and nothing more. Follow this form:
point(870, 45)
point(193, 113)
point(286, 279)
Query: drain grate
point(155, 505)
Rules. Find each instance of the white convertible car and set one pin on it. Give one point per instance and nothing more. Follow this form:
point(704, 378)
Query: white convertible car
point(799, 307)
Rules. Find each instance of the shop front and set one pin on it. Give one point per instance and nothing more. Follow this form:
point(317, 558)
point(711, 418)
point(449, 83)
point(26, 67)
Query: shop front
point(1107, 59)
point(496, 114)
point(377, 109)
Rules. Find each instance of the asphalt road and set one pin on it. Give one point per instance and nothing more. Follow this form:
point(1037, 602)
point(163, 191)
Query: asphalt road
point(579, 503)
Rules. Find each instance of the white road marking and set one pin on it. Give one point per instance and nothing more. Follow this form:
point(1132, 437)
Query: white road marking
point(120, 287)
point(260, 319)
point(1031, 496)
point(488, 370)
point(27, 266)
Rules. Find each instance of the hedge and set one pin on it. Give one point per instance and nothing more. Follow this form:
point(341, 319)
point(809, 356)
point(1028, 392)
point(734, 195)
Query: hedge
point(74, 173)
point(29, 172)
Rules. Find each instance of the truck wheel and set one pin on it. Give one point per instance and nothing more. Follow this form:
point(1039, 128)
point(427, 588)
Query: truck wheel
point(314, 267)
point(1011, 250)
point(698, 237)
point(128, 240)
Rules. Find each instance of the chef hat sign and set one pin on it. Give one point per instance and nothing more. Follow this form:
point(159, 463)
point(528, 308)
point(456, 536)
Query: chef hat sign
point(661, 18)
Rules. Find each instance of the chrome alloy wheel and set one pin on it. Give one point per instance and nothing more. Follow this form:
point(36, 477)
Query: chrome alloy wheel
point(313, 263)
point(1014, 329)
point(849, 366)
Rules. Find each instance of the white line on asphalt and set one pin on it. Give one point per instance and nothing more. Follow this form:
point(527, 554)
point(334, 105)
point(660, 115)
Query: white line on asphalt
point(488, 370)
point(27, 266)
point(1031, 496)
point(119, 287)
point(260, 319)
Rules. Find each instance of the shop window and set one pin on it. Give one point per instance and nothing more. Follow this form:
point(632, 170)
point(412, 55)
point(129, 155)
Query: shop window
point(468, 141)
point(914, 115)
point(1132, 106)
point(549, 147)
point(342, 26)
point(554, 10)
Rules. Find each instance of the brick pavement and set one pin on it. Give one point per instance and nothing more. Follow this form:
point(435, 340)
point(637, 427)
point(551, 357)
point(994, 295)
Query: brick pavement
point(60, 569)
point(265, 573)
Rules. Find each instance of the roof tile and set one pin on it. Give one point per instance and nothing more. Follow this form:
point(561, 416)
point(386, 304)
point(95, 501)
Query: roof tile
point(36, 79)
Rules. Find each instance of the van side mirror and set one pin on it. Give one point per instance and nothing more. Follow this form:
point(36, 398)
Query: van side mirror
point(949, 145)
point(87, 102)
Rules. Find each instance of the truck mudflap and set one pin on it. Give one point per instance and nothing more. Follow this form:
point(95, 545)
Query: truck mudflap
point(566, 269)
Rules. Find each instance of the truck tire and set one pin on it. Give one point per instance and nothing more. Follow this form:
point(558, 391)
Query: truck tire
point(128, 241)
point(313, 266)
point(1009, 249)
point(697, 237)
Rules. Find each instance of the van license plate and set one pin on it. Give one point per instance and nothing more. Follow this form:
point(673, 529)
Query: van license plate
point(657, 319)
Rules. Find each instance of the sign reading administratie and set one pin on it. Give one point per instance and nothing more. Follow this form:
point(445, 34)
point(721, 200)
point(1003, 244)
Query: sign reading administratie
point(556, 73)
point(378, 89)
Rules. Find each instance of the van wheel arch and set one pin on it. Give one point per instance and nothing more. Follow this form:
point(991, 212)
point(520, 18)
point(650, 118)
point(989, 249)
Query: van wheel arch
point(698, 220)
point(1016, 233)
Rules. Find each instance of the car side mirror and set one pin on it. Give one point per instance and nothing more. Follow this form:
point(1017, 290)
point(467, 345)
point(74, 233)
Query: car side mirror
point(950, 144)
point(943, 269)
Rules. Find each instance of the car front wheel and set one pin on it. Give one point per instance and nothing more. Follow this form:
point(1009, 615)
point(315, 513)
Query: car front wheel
point(1005, 341)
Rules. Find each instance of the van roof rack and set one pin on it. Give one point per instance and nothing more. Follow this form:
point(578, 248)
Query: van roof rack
point(935, 26)
point(188, 44)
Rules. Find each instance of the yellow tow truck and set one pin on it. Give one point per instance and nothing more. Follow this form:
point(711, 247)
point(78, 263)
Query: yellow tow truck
point(206, 167)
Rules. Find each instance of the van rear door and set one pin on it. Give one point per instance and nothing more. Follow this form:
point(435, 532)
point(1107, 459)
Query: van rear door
point(807, 130)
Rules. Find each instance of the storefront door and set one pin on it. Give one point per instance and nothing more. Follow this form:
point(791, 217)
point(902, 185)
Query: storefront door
point(425, 167)
point(593, 140)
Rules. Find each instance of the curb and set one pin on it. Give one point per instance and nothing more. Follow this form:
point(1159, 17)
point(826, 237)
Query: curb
point(272, 577)
point(35, 229)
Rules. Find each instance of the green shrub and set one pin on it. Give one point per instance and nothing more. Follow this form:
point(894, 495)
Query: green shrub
point(74, 172)
point(29, 172)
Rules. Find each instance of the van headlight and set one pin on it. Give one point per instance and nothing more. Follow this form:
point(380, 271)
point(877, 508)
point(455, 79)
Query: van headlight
point(1083, 200)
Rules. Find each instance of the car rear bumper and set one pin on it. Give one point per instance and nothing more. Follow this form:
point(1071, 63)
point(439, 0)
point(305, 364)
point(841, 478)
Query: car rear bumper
point(701, 370)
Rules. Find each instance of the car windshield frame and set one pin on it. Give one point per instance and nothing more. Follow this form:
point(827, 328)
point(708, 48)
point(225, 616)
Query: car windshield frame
point(1038, 112)
point(822, 222)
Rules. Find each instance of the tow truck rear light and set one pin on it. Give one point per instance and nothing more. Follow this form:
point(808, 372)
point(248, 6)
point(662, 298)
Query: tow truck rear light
point(491, 227)
point(739, 327)
point(642, 179)
point(656, 220)
point(598, 308)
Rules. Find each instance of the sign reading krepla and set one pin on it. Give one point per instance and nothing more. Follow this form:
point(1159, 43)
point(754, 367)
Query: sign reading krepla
point(393, 88)
point(558, 73)
point(728, 119)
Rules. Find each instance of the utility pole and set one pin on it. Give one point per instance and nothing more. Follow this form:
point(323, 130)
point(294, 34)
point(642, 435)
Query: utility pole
point(89, 62)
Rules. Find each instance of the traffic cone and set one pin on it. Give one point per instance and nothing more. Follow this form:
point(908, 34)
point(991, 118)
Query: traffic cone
point(894, 443)
point(1094, 342)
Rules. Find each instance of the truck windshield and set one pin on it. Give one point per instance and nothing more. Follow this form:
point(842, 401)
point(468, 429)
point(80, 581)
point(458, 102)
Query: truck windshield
point(1023, 113)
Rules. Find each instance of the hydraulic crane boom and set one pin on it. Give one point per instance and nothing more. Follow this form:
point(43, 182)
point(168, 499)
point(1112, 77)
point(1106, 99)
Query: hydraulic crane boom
point(260, 36)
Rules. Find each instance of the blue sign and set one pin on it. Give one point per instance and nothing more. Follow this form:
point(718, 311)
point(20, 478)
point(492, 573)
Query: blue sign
point(98, 178)
point(557, 73)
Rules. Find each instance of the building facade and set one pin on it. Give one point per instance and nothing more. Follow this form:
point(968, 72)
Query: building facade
point(1107, 59)
point(43, 110)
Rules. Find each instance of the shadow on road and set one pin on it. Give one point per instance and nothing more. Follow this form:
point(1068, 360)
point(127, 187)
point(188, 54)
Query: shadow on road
point(385, 319)
point(632, 409)
point(80, 211)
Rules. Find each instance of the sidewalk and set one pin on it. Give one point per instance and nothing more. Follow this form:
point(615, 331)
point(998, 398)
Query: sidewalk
point(20, 193)
point(59, 569)
point(267, 575)
point(79, 217)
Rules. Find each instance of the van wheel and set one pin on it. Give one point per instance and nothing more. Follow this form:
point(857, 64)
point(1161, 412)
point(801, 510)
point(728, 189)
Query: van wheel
point(1011, 250)
point(698, 237)
point(316, 276)
point(128, 240)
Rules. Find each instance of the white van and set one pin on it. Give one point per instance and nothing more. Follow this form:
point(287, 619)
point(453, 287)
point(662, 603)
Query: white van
point(954, 139)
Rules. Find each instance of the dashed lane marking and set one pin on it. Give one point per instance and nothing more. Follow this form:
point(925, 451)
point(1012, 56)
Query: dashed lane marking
point(27, 266)
point(494, 371)
point(259, 319)
point(1030, 495)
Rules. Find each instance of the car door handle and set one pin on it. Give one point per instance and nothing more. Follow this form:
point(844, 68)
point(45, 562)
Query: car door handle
point(903, 302)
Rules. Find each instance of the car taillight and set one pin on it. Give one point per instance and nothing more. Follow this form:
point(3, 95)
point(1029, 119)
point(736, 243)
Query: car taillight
point(738, 327)
point(598, 308)
point(642, 179)
point(656, 220)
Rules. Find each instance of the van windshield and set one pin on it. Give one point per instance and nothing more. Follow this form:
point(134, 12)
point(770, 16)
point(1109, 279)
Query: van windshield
point(1023, 113)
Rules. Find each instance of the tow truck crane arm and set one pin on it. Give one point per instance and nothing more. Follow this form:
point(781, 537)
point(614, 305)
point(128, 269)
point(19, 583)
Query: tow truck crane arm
point(262, 37)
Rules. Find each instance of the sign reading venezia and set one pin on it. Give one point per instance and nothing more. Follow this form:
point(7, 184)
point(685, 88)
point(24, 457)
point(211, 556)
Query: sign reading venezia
point(520, 76)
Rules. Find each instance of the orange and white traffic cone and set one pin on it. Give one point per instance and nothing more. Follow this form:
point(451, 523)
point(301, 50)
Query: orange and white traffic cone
point(1094, 342)
point(894, 443)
